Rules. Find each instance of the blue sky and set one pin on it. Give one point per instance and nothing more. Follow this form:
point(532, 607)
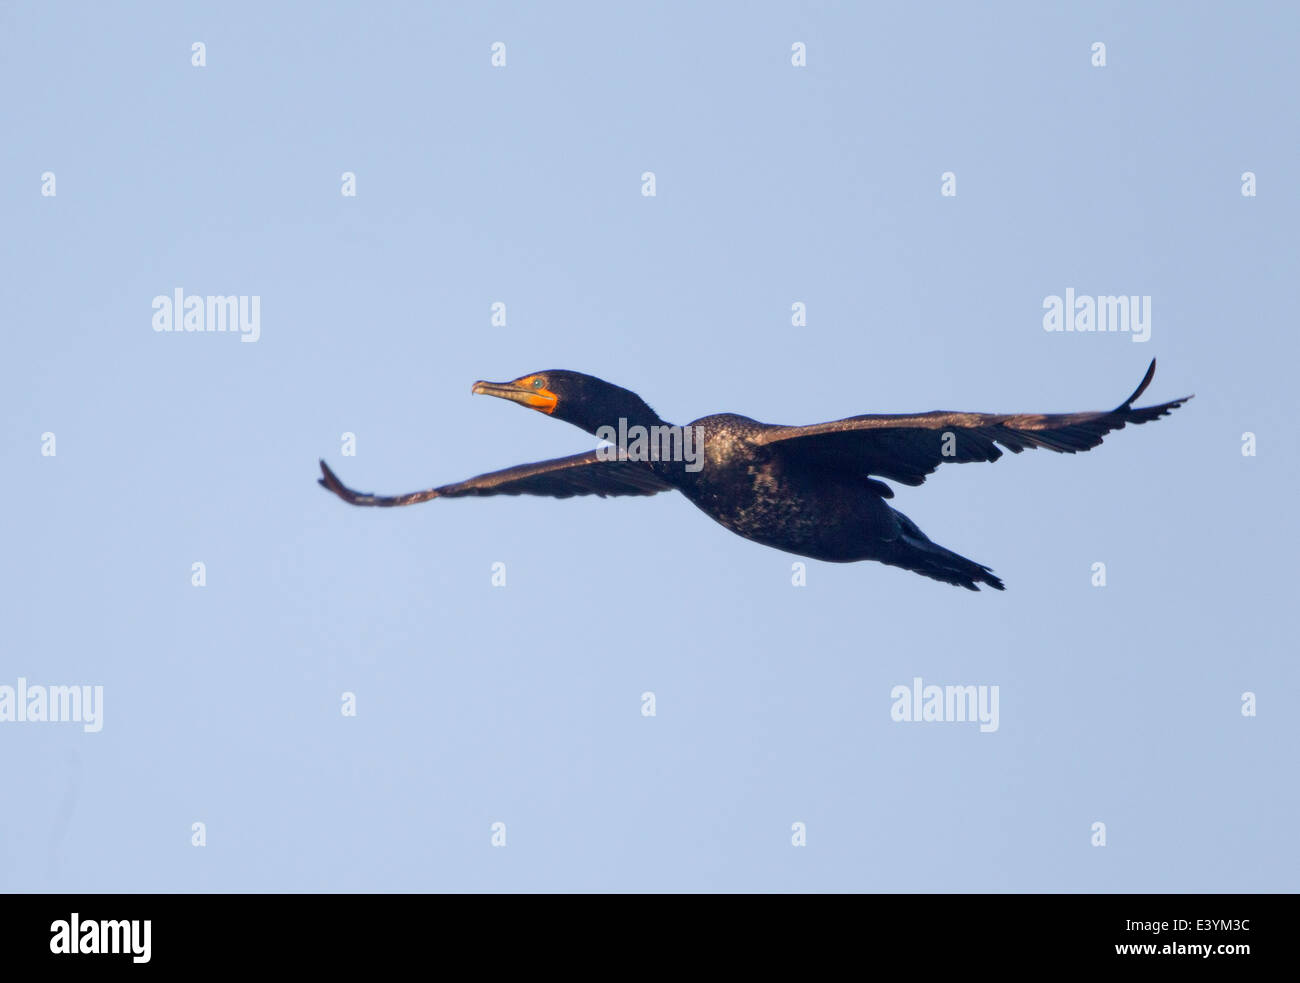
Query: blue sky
point(522, 704)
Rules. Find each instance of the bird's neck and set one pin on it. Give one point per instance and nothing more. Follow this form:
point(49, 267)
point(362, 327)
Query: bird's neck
point(623, 419)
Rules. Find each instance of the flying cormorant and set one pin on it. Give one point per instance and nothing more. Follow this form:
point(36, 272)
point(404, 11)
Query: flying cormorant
point(812, 491)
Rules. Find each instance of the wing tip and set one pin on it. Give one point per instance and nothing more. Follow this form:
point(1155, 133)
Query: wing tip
point(328, 478)
point(330, 482)
point(1142, 386)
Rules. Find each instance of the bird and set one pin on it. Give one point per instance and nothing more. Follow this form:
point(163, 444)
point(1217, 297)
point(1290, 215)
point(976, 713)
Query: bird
point(817, 491)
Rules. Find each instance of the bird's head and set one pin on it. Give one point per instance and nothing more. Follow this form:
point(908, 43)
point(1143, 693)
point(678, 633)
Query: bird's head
point(583, 400)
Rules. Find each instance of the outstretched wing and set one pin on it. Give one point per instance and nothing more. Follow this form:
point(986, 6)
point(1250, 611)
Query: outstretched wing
point(564, 477)
point(907, 448)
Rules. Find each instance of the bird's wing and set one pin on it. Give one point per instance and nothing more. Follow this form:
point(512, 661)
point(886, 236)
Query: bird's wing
point(907, 448)
point(564, 477)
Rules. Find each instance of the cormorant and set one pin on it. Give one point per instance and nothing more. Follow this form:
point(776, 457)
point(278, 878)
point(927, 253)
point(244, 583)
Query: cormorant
point(812, 491)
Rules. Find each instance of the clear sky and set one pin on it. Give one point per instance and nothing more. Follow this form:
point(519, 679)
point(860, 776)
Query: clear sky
point(522, 704)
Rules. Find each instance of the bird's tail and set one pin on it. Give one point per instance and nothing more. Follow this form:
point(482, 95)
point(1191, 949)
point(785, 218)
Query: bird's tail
point(913, 550)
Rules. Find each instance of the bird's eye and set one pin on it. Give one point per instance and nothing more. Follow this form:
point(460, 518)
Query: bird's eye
point(538, 383)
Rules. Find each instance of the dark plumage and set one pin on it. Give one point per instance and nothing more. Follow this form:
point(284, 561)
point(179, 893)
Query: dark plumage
point(813, 491)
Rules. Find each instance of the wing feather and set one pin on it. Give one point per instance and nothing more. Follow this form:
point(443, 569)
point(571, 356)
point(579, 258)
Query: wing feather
point(564, 477)
point(906, 448)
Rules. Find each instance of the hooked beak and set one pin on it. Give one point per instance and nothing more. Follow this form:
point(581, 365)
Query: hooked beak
point(542, 400)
